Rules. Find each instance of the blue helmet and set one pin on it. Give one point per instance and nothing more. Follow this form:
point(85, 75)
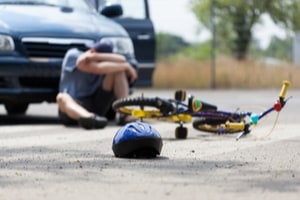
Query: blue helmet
point(137, 139)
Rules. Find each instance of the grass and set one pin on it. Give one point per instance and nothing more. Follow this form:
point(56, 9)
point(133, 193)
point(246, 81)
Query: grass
point(229, 73)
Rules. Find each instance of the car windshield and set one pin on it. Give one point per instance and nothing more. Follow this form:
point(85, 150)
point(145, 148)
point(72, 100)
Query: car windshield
point(61, 3)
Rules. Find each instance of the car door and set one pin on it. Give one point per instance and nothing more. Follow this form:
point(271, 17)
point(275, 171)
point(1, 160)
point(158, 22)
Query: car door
point(137, 22)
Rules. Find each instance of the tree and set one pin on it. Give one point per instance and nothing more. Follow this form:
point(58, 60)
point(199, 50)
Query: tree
point(280, 48)
point(234, 19)
point(168, 44)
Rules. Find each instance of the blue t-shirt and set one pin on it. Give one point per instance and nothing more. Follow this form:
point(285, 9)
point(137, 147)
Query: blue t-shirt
point(75, 82)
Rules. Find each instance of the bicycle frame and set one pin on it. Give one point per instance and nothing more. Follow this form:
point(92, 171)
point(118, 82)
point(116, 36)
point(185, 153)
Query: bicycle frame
point(182, 112)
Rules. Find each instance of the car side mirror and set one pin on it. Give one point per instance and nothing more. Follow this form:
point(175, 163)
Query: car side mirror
point(114, 10)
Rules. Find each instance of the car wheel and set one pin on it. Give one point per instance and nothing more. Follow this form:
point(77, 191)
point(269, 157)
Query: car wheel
point(16, 108)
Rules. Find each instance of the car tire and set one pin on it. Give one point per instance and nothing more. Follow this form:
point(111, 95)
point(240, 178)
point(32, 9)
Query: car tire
point(16, 108)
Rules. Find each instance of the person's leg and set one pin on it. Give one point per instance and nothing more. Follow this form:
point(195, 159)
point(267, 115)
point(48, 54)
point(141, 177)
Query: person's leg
point(104, 97)
point(102, 101)
point(70, 108)
point(118, 84)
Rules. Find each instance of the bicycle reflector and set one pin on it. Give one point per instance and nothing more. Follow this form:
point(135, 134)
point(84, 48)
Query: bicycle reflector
point(254, 118)
point(277, 106)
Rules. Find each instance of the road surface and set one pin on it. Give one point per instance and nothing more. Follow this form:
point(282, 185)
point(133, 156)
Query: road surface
point(41, 159)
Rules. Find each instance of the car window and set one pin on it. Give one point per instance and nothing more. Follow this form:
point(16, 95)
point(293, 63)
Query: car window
point(131, 9)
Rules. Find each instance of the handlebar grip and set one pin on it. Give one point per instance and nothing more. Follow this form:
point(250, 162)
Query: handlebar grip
point(235, 125)
point(196, 105)
point(285, 85)
point(180, 95)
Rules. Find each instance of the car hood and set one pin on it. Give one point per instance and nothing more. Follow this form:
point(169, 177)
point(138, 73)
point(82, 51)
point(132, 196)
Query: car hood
point(31, 21)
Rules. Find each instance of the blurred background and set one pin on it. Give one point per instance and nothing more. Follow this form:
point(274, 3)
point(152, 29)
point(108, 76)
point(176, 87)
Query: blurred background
point(226, 44)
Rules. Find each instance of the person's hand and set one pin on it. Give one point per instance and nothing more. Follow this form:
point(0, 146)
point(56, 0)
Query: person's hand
point(131, 73)
point(88, 56)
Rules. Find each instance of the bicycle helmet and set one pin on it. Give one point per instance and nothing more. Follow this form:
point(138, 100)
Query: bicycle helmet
point(137, 139)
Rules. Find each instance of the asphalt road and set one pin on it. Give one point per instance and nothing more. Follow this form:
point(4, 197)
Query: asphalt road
point(41, 159)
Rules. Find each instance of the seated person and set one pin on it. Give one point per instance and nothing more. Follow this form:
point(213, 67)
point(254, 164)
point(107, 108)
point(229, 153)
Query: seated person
point(90, 82)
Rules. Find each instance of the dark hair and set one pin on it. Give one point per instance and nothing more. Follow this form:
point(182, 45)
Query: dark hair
point(104, 47)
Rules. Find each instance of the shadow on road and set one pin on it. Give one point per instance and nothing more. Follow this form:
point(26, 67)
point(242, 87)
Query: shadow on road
point(27, 119)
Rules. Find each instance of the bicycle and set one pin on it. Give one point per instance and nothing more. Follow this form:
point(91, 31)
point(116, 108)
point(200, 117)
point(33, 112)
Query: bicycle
point(206, 116)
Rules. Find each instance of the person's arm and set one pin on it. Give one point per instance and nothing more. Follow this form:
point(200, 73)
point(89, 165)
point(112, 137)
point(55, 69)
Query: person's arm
point(104, 63)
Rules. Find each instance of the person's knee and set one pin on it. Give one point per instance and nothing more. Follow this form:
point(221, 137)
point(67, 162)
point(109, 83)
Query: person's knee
point(62, 99)
point(59, 97)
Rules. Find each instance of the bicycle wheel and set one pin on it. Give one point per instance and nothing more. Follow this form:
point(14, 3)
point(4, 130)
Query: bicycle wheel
point(213, 124)
point(144, 107)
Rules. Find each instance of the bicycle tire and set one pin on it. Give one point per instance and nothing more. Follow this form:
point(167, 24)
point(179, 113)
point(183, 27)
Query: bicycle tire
point(213, 125)
point(164, 108)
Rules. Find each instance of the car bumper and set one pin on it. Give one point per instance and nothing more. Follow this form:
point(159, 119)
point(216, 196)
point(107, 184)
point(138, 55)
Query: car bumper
point(27, 95)
point(21, 67)
point(23, 80)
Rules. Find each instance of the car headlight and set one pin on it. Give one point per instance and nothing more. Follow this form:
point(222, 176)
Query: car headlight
point(121, 45)
point(6, 43)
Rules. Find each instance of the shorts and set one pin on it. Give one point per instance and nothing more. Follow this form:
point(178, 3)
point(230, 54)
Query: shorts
point(99, 103)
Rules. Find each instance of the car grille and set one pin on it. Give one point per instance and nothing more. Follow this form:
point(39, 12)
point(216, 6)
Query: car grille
point(51, 47)
point(35, 82)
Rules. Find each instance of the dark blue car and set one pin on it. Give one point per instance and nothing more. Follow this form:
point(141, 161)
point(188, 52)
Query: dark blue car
point(34, 36)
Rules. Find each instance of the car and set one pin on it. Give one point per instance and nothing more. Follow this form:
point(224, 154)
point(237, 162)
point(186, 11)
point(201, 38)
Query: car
point(34, 37)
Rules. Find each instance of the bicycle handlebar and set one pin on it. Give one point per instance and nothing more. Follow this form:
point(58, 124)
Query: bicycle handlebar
point(278, 105)
point(285, 85)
